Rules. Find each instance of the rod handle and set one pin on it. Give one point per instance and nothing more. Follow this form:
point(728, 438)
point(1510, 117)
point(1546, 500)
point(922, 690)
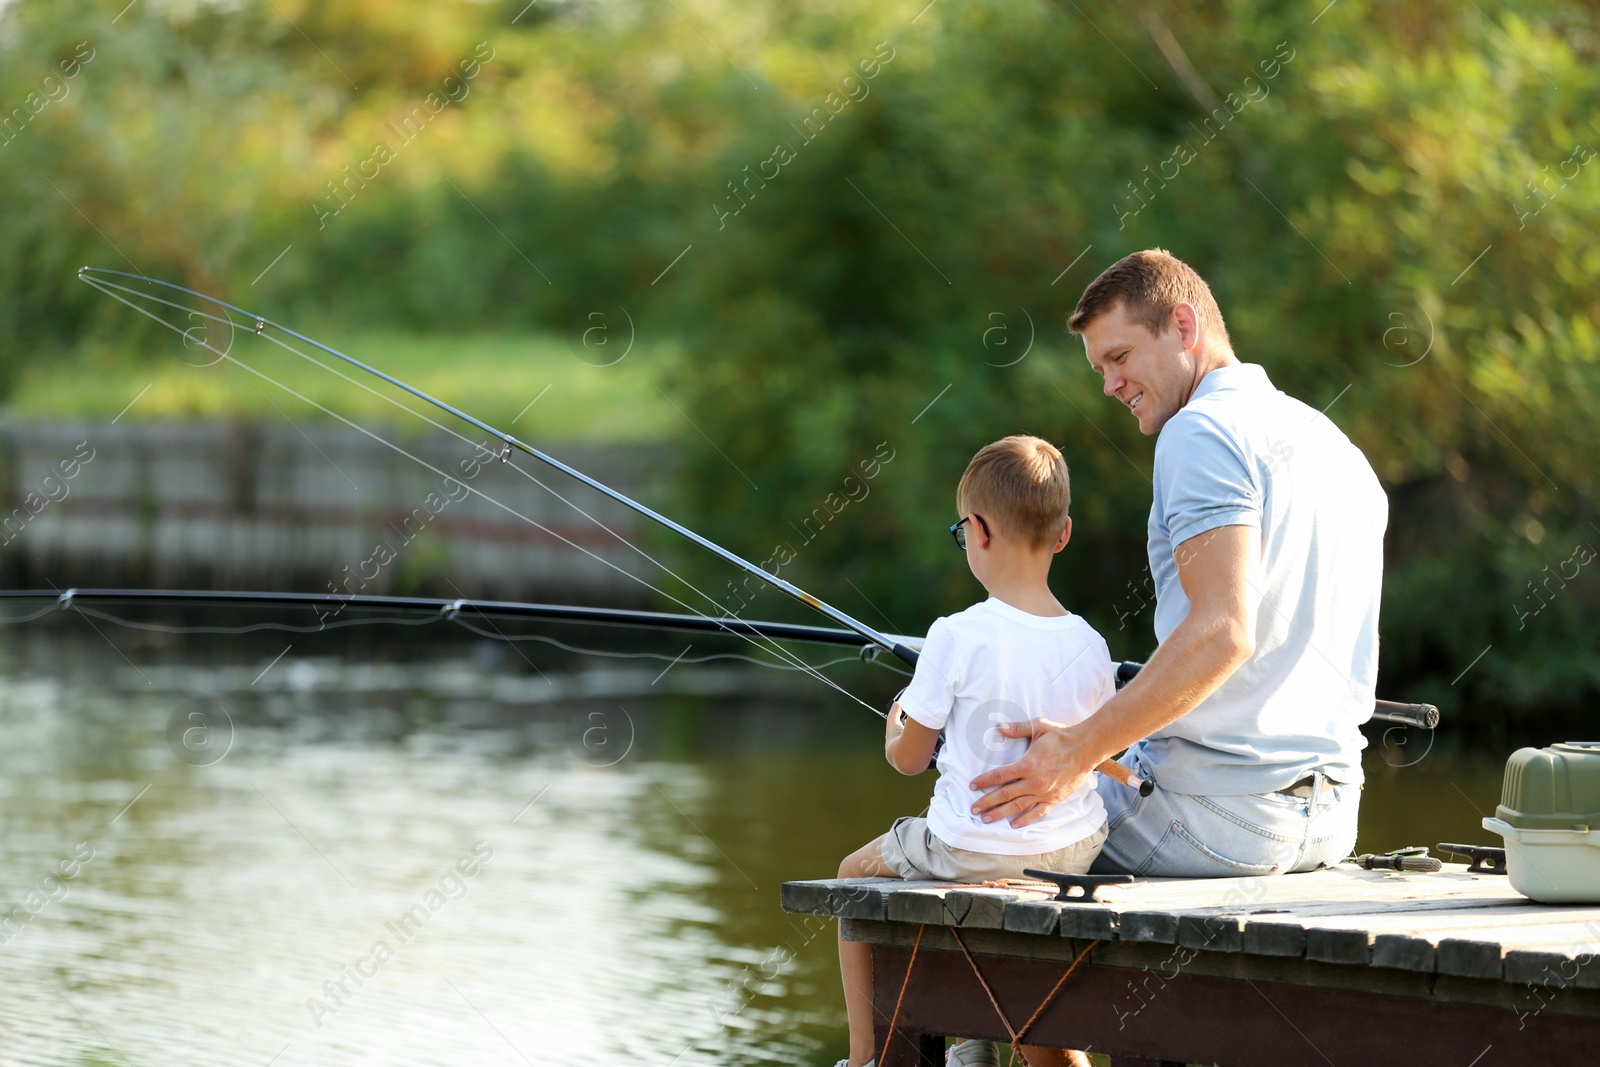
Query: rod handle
point(1116, 771)
point(1423, 715)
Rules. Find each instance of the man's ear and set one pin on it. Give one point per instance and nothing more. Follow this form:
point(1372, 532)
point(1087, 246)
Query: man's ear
point(1187, 322)
point(1066, 535)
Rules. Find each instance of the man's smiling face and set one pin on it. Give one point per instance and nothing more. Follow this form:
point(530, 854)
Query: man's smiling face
point(1151, 374)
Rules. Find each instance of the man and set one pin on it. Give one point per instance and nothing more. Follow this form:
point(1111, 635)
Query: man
point(1266, 549)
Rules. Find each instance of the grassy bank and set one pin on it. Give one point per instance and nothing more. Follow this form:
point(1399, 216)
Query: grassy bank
point(534, 385)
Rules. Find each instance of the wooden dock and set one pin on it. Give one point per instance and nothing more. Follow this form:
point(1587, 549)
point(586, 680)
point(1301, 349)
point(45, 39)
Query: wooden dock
point(1339, 966)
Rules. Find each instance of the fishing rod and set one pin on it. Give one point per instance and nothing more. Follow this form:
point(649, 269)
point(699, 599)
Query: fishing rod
point(1425, 716)
point(454, 609)
point(899, 648)
point(449, 609)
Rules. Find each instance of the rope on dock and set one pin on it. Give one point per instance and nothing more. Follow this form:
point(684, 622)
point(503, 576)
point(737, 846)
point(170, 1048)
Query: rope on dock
point(895, 1018)
point(1016, 1035)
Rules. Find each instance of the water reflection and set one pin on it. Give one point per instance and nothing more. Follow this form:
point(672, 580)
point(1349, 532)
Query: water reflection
point(441, 859)
point(415, 864)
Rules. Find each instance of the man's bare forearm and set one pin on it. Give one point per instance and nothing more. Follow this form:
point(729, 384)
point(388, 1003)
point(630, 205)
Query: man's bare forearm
point(1191, 664)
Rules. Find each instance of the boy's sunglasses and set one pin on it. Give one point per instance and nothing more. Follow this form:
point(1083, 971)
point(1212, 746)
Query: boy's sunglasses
point(958, 530)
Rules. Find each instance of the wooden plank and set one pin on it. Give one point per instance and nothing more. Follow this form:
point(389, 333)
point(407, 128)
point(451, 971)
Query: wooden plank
point(924, 904)
point(1274, 938)
point(863, 900)
point(1339, 946)
point(806, 897)
point(1093, 922)
point(981, 909)
point(1535, 967)
point(1404, 951)
point(1033, 916)
point(1160, 927)
point(859, 898)
point(1214, 933)
point(1466, 958)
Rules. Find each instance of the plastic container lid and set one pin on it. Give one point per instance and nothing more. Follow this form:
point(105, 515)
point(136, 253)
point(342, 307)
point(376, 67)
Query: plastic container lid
point(1554, 788)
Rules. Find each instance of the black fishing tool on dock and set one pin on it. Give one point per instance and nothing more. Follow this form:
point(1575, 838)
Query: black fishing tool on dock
point(1485, 859)
point(1414, 858)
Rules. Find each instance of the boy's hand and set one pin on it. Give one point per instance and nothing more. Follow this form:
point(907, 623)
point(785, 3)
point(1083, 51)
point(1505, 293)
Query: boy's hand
point(907, 744)
point(894, 723)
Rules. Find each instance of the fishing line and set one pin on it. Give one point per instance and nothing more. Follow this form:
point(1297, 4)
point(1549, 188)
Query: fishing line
point(489, 454)
point(14, 619)
point(106, 287)
point(899, 648)
point(103, 286)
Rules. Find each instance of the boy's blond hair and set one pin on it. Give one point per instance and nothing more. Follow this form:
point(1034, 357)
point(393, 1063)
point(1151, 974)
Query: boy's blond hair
point(1019, 483)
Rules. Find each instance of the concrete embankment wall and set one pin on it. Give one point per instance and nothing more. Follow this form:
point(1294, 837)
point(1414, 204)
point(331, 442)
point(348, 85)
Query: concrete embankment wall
point(305, 507)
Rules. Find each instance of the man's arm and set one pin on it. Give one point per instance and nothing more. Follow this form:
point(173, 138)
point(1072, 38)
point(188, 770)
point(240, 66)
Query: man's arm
point(1217, 570)
point(907, 743)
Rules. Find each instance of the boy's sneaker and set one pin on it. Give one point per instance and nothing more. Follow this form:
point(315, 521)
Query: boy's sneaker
point(846, 1063)
point(973, 1054)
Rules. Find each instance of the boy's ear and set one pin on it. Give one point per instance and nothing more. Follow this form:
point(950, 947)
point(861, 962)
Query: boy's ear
point(1066, 535)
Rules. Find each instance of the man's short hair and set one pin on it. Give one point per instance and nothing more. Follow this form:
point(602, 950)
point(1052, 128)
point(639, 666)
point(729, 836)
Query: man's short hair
point(1021, 484)
point(1149, 285)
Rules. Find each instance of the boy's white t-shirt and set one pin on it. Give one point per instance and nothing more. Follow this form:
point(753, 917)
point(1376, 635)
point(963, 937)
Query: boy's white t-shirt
point(995, 663)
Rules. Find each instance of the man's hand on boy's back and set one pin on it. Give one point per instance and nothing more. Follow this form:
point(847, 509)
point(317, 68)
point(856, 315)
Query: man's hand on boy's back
point(1056, 763)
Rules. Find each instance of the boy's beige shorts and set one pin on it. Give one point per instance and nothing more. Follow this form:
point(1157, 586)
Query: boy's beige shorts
point(912, 851)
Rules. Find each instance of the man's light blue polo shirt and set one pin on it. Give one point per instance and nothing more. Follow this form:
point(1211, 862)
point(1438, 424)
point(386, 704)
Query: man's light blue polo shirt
point(1241, 453)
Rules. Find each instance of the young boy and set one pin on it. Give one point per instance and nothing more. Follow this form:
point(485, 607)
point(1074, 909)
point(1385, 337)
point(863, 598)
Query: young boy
point(1015, 656)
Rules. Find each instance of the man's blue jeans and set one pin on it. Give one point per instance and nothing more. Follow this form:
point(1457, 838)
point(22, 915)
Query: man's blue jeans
point(1184, 835)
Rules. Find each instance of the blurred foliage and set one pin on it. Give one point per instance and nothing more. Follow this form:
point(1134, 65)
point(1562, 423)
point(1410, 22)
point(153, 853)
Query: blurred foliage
point(1392, 204)
point(502, 378)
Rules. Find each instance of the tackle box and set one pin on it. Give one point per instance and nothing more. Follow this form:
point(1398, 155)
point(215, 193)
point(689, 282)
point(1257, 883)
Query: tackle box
point(1549, 815)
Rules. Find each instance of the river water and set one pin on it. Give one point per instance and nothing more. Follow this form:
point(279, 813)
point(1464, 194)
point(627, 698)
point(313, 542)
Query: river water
point(411, 853)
